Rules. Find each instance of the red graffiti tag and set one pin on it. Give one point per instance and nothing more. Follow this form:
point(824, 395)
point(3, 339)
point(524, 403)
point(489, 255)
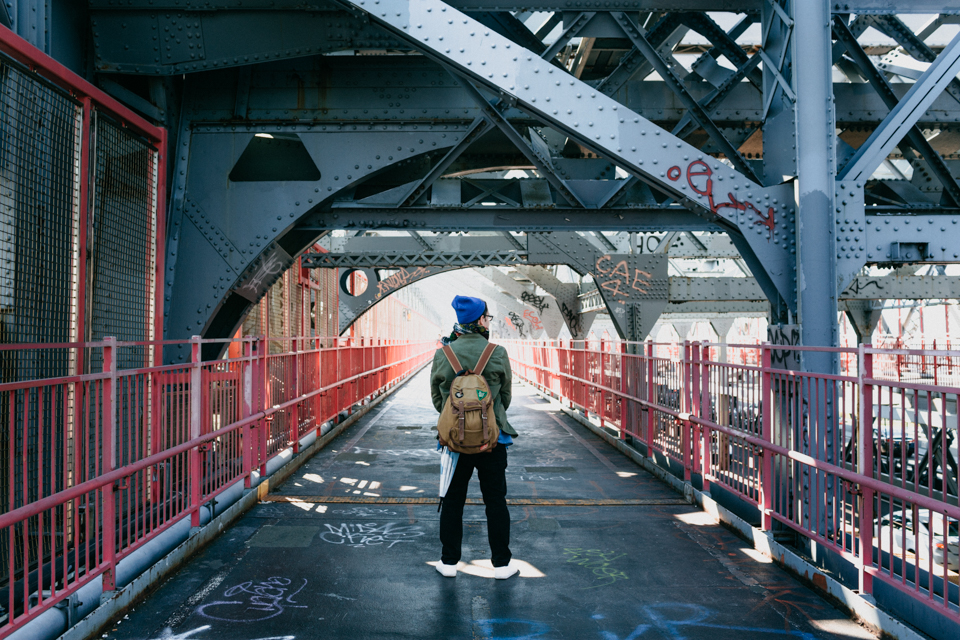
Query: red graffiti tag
point(700, 169)
point(533, 320)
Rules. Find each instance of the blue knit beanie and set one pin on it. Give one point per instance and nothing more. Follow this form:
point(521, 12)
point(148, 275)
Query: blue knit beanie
point(468, 309)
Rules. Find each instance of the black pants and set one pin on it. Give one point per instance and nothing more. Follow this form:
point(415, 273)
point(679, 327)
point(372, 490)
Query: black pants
point(491, 469)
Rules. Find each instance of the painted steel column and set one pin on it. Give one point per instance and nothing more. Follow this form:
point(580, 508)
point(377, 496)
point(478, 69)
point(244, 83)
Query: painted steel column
point(816, 170)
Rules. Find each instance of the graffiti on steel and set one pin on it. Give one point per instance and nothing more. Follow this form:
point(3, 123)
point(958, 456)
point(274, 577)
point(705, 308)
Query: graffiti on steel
point(537, 302)
point(617, 280)
point(532, 318)
point(370, 534)
point(402, 278)
point(700, 179)
point(255, 601)
point(517, 322)
point(573, 319)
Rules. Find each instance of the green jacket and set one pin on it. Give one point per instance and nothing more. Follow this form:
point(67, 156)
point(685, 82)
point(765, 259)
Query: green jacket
point(468, 348)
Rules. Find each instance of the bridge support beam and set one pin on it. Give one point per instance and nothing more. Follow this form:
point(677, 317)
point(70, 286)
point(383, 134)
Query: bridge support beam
point(816, 174)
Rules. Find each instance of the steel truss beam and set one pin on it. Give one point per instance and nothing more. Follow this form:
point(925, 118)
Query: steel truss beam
point(905, 115)
point(761, 214)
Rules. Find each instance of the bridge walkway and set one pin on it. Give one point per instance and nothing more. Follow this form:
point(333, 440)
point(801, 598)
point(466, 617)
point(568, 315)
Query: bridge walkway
point(344, 548)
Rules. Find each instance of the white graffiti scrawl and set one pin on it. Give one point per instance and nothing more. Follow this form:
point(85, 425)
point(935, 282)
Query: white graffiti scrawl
point(370, 534)
point(255, 601)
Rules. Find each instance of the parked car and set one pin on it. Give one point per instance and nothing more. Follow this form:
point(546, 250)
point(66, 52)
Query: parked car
point(899, 526)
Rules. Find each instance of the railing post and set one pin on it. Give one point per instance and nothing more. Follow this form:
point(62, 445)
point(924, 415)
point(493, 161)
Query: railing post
point(622, 401)
point(262, 377)
point(766, 458)
point(651, 399)
point(686, 368)
point(317, 384)
point(109, 463)
point(249, 433)
point(865, 468)
point(694, 407)
point(293, 416)
point(196, 415)
point(706, 450)
point(602, 403)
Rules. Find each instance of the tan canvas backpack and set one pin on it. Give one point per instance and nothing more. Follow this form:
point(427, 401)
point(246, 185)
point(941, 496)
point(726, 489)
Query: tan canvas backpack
point(467, 423)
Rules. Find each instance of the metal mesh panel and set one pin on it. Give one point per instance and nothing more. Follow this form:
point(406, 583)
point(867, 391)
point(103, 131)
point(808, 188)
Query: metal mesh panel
point(122, 240)
point(40, 142)
point(39, 217)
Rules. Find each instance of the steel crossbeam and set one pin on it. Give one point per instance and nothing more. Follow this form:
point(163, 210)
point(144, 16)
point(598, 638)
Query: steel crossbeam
point(602, 124)
point(905, 115)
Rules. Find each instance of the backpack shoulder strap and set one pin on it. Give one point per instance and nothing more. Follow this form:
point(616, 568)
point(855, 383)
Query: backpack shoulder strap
point(452, 359)
point(484, 358)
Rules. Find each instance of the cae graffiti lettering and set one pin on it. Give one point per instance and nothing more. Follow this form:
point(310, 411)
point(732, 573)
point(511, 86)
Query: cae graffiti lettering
point(534, 321)
point(401, 279)
point(370, 534)
point(600, 564)
point(617, 280)
point(537, 302)
point(253, 602)
point(700, 179)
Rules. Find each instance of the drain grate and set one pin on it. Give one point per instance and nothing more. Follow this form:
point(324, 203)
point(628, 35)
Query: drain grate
point(408, 428)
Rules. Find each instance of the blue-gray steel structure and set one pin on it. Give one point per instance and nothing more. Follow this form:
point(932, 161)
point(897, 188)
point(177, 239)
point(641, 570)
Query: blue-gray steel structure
point(292, 118)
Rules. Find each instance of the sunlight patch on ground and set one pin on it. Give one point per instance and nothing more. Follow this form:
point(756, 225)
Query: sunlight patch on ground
point(407, 487)
point(484, 568)
point(756, 555)
point(626, 474)
point(698, 518)
point(312, 477)
point(842, 628)
point(306, 506)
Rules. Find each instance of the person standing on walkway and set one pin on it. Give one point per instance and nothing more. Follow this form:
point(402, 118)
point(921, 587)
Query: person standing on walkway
point(470, 337)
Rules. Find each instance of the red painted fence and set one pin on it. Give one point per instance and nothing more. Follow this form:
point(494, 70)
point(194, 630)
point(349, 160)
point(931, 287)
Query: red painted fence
point(125, 454)
point(863, 463)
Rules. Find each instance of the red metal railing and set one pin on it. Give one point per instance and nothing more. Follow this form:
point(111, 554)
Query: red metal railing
point(821, 454)
point(125, 454)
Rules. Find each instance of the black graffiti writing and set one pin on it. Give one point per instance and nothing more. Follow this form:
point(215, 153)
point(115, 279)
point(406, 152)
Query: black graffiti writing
point(401, 279)
point(517, 322)
point(537, 302)
point(859, 286)
point(573, 319)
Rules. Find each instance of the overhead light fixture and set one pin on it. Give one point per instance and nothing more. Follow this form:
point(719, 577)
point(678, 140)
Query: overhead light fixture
point(264, 135)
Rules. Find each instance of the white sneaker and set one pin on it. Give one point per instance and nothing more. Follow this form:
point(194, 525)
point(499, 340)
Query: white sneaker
point(447, 570)
point(502, 573)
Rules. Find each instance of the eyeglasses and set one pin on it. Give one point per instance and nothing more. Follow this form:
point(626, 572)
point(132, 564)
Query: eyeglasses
point(487, 316)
